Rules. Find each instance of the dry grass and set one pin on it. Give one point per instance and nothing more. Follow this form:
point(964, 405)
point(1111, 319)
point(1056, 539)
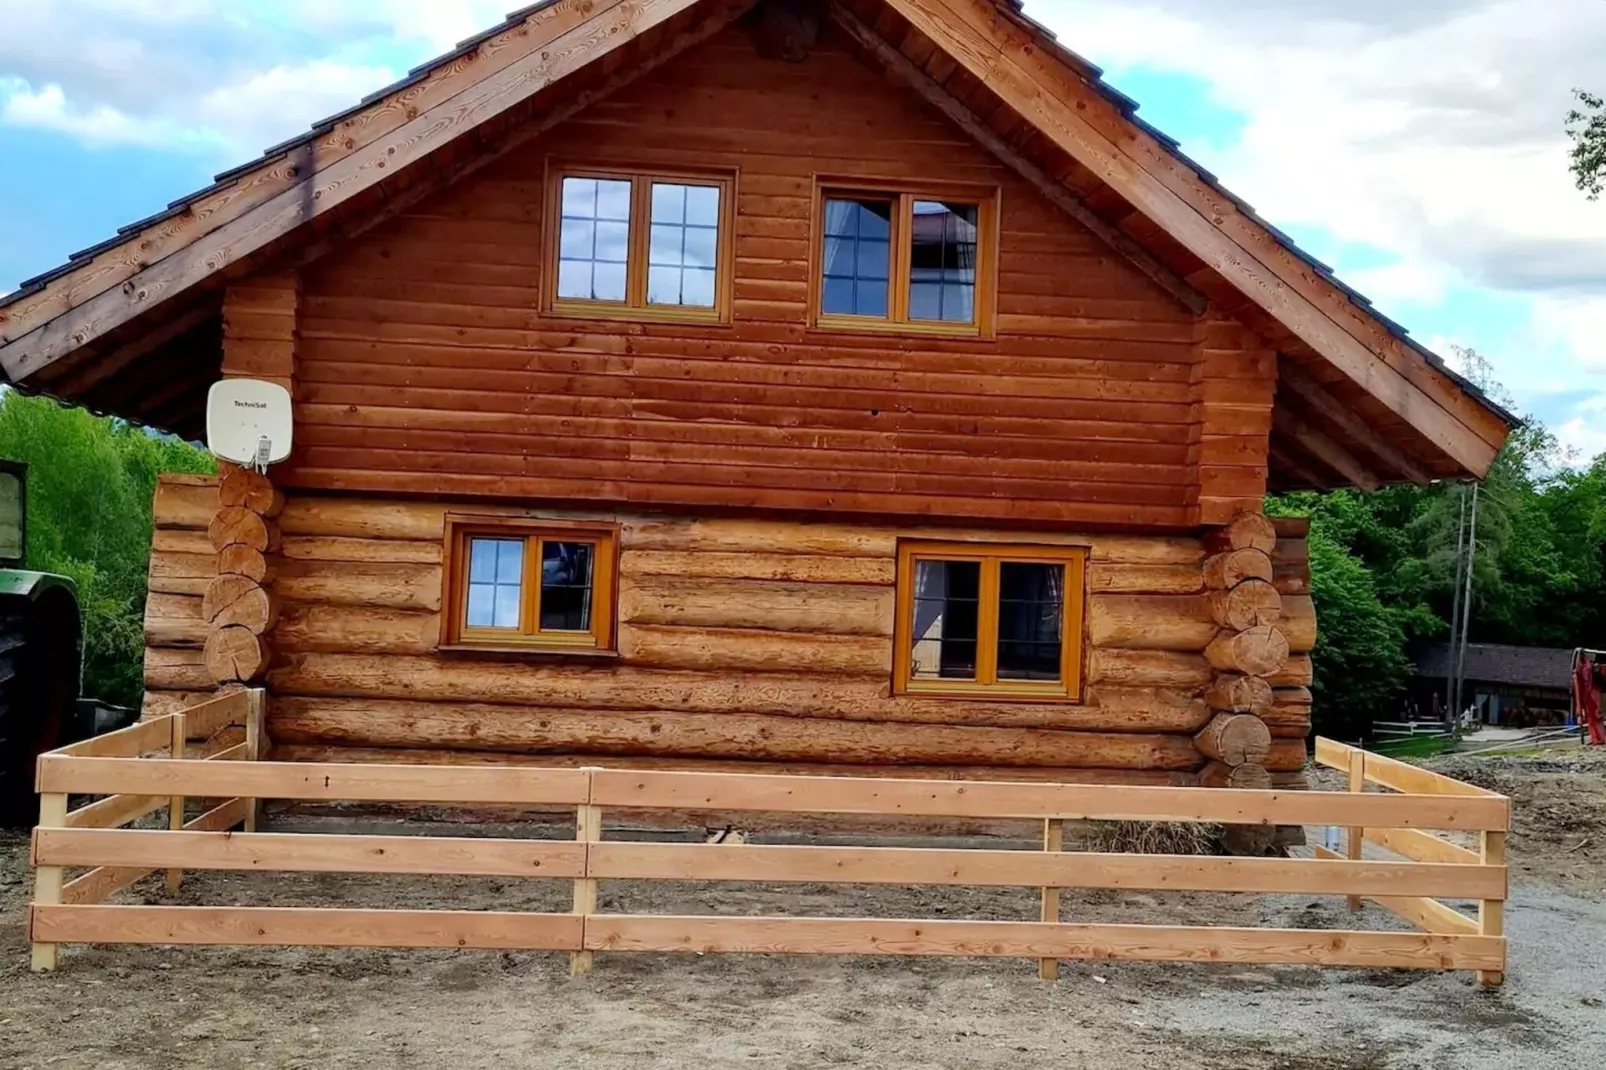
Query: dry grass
point(1154, 837)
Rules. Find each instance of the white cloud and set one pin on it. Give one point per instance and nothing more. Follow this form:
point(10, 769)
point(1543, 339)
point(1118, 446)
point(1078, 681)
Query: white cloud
point(47, 109)
point(1416, 281)
point(265, 107)
point(1432, 130)
point(1582, 438)
point(234, 77)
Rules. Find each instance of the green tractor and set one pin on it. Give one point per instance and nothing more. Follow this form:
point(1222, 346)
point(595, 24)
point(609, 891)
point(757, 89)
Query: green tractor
point(41, 654)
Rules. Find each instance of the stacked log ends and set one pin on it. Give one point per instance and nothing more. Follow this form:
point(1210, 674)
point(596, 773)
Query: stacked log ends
point(1249, 649)
point(1233, 692)
point(238, 605)
point(1236, 739)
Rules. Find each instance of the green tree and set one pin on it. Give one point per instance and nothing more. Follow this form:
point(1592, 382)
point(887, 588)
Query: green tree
point(90, 485)
point(1586, 125)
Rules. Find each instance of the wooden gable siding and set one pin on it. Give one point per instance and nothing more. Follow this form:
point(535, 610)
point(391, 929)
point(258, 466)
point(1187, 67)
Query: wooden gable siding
point(425, 365)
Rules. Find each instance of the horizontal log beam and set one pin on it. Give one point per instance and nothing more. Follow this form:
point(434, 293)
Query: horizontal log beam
point(728, 735)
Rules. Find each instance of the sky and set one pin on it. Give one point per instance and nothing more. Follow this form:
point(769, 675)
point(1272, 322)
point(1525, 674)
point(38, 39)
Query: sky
point(1417, 146)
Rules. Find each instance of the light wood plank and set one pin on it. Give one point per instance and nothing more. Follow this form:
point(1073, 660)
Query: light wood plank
point(1422, 846)
point(1053, 841)
point(307, 927)
point(100, 883)
point(47, 884)
point(1393, 773)
point(1492, 911)
point(1024, 939)
point(1429, 915)
point(926, 798)
point(206, 719)
point(981, 868)
point(312, 853)
point(288, 780)
point(587, 832)
point(114, 811)
point(139, 738)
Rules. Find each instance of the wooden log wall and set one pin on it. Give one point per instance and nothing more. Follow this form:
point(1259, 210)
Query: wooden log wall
point(1250, 649)
point(760, 642)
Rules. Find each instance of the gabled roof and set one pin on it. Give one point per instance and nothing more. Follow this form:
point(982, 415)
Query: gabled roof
point(131, 325)
point(1497, 663)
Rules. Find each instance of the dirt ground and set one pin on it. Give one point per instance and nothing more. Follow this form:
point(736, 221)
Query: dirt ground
point(220, 1008)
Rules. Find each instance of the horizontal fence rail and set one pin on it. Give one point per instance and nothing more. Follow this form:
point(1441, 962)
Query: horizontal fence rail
point(1422, 868)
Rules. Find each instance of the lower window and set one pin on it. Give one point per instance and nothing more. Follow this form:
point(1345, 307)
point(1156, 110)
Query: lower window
point(529, 585)
point(1001, 620)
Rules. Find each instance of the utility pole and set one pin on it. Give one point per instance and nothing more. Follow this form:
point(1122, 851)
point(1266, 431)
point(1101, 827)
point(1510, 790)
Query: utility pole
point(1466, 602)
point(1450, 712)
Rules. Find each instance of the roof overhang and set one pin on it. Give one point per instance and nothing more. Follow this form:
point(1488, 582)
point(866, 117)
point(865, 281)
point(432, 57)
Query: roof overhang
point(131, 326)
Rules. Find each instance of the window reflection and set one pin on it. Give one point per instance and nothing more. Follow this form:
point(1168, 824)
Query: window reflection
point(495, 582)
point(942, 269)
point(858, 257)
point(684, 245)
point(946, 602)
point(594, 243)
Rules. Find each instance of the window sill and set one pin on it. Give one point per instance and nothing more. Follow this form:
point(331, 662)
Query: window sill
point(918, 329)
point(668, 314)
point(991, 693)
point(513, 651)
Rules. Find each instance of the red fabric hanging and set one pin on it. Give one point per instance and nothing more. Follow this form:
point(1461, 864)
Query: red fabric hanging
point(1586, 700)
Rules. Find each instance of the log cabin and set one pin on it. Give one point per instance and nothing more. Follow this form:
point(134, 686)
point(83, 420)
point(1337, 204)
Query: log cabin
point(852, 386)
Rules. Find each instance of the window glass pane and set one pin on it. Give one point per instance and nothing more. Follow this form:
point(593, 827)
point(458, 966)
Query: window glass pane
point(495, 582)
point(942, 263)
point(566, 586)
point(857, 257)
point(685, 234)
point(594, 239)
point(1031, 605)
point(697, 287)
point(702, 205)
point(943, 636)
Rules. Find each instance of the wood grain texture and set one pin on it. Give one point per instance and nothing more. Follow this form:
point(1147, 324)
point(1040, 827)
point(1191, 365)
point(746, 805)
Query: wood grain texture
point(727, 735)
point(425, 361)
point(874, 936)
point(314, 853)
point(983, 868)
point(307, 927)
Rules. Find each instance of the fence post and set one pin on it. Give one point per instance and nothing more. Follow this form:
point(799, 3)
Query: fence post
point(1356, 837)
point(1053, 840)
point(1492, 912)
point(587, 829)
point(255, 743)
point(175, 806)
point(47, 880)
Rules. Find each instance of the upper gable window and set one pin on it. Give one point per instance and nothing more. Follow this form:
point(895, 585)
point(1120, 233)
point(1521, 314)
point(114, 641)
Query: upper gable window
point(641, 245)
point(912, 260)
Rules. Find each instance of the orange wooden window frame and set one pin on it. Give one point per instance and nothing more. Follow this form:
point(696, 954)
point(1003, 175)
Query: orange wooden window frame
point(902, 196)
point(987, 684)
point(529, 637)
point(639, 242)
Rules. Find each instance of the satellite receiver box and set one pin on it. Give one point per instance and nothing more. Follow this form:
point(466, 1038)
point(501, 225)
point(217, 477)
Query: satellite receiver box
point(248, 422)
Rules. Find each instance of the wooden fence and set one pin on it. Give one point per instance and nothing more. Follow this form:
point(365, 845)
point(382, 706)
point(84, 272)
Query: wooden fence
point(113, 765)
